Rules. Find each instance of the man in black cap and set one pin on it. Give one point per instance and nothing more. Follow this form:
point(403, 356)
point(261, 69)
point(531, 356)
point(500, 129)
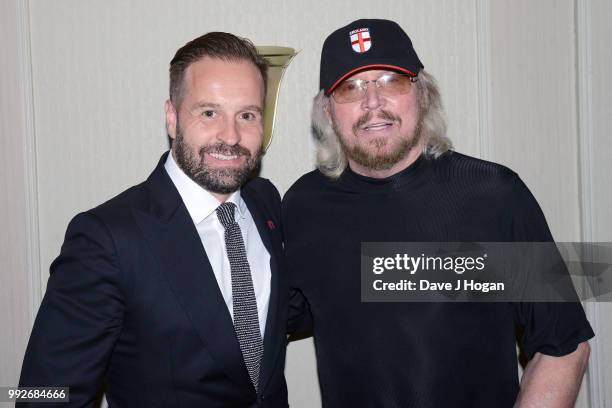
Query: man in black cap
point(386, 172)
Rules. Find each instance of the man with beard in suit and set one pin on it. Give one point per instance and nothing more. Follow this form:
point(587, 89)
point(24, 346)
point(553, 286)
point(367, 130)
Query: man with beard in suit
point(173, 293)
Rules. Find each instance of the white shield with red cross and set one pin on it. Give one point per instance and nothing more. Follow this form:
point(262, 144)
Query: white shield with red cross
point(360, 40)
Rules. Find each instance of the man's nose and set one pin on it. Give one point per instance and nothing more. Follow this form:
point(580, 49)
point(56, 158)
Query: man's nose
point(372, 99)
point(230, 134)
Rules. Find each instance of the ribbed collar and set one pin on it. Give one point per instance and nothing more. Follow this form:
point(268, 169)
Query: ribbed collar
point(412, 176)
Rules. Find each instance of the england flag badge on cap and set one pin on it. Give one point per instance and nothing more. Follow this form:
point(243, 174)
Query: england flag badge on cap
point(360, 40)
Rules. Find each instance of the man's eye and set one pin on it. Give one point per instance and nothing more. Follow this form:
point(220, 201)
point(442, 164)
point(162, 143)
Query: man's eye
point(209, 113)
point(247, 116)
point(351, 86)
point(389, 80)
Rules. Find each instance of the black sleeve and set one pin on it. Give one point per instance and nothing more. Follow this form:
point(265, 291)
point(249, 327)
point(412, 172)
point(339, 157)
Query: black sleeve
point(554, 329)
point(300, 320)
point(80, 316)
point(299, 324)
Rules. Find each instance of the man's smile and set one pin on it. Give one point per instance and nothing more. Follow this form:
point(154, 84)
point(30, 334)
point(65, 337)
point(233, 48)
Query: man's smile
point(220, 156)
point(377, 126)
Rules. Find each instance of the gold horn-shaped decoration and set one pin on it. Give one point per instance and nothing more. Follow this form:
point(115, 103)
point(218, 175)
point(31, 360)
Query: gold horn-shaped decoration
point(278, 60)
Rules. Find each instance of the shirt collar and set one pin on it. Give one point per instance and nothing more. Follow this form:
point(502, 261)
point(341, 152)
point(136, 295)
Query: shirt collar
point(199, 202)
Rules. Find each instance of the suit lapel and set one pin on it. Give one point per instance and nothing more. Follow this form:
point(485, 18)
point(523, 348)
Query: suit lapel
point(175, 241)
point(265, 226)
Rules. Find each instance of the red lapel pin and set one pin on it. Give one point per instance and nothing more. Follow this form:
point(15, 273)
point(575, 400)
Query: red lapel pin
point(271, 225)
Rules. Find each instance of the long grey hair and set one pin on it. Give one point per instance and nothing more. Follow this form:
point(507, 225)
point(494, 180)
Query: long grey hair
point(331, 159)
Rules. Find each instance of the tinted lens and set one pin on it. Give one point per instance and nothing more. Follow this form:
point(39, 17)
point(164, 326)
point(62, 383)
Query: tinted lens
point(388, 84)
point(394, 84)
point(349, 91)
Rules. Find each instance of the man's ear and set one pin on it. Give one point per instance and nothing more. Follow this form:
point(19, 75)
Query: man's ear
point(170, 119)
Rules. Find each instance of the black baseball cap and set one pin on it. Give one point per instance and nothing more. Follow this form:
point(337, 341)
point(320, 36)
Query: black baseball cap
point(366, 44)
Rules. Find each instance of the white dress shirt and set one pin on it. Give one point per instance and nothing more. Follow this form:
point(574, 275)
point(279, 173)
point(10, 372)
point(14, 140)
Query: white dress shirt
point(202, 207)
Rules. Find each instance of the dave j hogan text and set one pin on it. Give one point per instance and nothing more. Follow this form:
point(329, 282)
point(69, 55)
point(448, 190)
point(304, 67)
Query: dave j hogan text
point(463, 285)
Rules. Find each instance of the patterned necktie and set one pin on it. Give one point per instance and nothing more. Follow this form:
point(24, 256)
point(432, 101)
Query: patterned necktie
point(246, 322)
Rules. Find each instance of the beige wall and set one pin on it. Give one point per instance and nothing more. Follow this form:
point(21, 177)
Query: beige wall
point(19, 239)
point(98, 76)
point(533, 97)
point(595, 108)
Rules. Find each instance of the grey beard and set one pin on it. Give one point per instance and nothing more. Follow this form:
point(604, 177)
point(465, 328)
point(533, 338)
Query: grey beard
point(378, 161)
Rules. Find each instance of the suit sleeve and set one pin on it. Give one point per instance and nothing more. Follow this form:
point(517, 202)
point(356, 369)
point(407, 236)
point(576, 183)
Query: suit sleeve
point(553, 329)
point(80, 316)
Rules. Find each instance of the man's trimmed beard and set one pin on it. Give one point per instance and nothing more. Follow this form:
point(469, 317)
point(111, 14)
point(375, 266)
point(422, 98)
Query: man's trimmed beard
point(378, 160)
point(215, 179)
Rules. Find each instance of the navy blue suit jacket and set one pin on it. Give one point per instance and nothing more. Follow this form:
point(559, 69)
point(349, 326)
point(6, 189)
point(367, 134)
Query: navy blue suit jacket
point(132, 302)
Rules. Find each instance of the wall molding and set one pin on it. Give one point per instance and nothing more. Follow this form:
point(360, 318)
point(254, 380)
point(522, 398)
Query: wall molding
point(29, 159)
point(483, 38)
point(585, 146)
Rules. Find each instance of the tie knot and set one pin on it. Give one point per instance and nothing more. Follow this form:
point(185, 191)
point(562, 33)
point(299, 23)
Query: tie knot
point(225, 213)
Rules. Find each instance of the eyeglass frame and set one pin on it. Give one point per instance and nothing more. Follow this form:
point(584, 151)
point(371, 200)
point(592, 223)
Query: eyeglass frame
point(364, 87)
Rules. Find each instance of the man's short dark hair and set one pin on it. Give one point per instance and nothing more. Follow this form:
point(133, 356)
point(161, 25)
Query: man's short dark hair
point(220, 45)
